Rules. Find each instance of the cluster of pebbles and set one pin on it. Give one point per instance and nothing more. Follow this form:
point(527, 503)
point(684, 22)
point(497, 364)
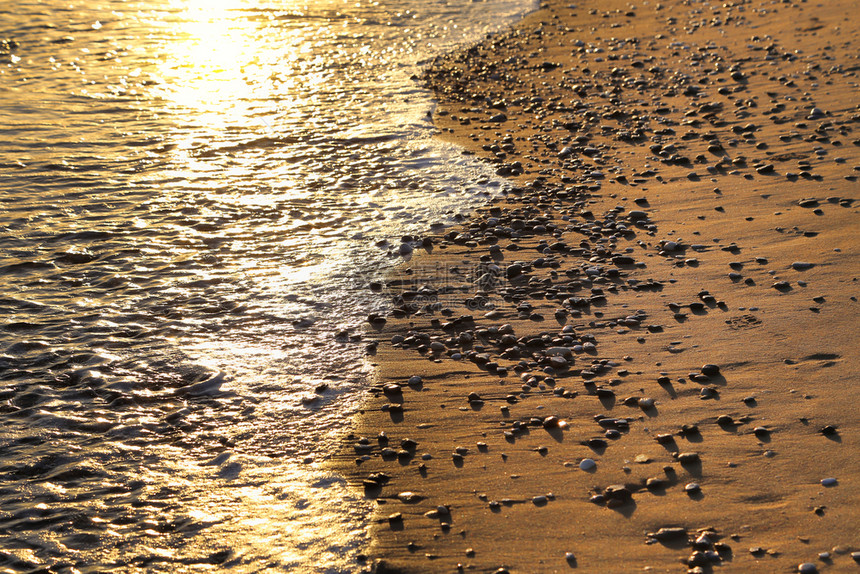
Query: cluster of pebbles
point(515, 342)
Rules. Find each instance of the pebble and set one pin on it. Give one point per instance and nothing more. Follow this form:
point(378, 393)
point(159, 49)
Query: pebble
point(656, 483)
point(617, 493)
point(670, 533)
point(829, 482)
point(689, 458)
point(570, 557)
point(587, 464)
point(409, 497)
point(710, 370)
point(807, 568)
point(513, 271)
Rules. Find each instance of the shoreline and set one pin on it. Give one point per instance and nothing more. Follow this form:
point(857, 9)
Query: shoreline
point(686, 195)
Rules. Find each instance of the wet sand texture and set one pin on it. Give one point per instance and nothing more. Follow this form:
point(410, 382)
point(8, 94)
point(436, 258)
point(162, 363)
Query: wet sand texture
point(645, 356)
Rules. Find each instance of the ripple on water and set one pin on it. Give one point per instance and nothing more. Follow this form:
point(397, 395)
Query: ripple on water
point(196, 197)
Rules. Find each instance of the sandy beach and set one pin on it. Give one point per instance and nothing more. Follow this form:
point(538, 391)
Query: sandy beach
point(644, 358)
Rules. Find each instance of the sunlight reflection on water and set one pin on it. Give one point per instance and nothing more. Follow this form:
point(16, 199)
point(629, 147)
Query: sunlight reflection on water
point(196, 195)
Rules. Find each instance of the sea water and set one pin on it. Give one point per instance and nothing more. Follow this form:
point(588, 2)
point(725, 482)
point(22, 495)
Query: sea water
point(194, 198)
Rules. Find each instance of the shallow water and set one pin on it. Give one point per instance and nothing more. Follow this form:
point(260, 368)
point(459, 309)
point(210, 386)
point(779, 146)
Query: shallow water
point(195, 196)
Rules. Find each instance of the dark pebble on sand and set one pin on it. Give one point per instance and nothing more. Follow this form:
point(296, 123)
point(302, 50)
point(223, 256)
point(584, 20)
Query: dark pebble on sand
point(802, 265)
point(671, 533)
point(710, 370)
point(689, 458)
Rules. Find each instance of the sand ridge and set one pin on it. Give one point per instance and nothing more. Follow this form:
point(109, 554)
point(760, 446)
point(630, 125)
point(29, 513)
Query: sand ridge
point(644, 357)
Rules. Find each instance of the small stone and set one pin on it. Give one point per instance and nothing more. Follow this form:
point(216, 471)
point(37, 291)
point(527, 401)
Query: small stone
point(692, 488)
point(587, 464)
point(514, 270)
point(618, 493)
point(409, 497)
point(655, 483)
point(664, 438)
point(815, 114)
point(689, 458)
point(725, 420)
point(829, 482)
point(646, 404)
point(698, 558)
point(710, 370)
point(670, 533)
point(807, 568)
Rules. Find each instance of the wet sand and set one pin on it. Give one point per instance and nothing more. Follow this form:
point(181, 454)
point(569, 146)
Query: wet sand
point(686, 196)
